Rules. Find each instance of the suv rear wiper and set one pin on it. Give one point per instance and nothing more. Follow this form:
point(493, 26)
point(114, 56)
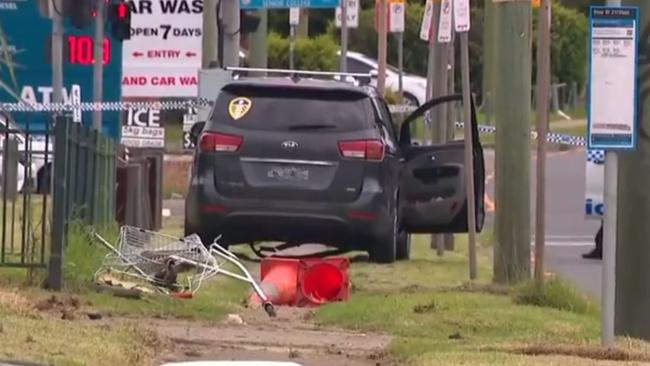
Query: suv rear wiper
point(311, 127)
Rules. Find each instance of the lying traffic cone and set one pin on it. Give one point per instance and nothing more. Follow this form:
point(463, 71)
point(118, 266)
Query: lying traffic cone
point(279, 281)
point(323, 280)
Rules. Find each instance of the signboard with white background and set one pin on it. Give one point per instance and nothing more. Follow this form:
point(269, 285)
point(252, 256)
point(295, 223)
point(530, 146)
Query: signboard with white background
point(163, 56)
point(352, 14)
point(396, 16)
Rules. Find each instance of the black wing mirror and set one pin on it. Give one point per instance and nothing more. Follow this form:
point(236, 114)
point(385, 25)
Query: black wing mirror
point(195, 132)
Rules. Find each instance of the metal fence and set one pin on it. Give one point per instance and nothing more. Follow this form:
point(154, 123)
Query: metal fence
point(83, 185)
point(24, 213)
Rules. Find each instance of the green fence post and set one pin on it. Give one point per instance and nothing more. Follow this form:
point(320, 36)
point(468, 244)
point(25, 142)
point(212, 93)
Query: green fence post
point(73, 182)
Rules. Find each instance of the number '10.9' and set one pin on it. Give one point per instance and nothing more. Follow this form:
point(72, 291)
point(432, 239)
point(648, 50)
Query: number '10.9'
point(81, 50)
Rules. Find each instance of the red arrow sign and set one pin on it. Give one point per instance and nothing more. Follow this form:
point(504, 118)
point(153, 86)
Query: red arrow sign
point(137, 54)
point(190, 54)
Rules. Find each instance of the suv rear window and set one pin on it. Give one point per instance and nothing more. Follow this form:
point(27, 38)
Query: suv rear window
point(292, 109)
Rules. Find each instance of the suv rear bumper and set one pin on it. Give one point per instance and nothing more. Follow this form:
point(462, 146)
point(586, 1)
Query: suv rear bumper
point(342, 224)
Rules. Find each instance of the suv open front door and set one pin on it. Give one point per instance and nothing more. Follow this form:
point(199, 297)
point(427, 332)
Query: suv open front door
point(433, 192)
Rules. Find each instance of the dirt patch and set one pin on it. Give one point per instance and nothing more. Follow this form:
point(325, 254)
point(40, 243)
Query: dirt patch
point(66, 308)
point(291, 336)
point(589, 352)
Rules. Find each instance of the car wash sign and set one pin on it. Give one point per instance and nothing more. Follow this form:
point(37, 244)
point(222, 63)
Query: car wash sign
point(286, 4)
point(163, 56)
point(26, 68)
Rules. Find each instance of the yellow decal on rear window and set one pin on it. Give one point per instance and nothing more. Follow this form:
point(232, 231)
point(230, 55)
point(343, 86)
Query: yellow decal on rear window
point(238, 107)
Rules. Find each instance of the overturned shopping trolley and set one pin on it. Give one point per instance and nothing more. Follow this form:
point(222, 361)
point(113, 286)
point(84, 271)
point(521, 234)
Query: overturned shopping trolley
point(164, 262)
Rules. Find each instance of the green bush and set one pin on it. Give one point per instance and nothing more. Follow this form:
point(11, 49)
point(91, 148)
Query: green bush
point(317, 53)
point(554, 294)
point(569, 45)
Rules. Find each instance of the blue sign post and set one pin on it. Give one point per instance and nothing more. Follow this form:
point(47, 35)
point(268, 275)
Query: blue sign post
point(26, 68)
point(286, 4)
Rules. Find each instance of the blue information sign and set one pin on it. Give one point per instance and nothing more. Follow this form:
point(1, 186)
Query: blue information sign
point(613, 77)
point(26, 68)
point(285, 4)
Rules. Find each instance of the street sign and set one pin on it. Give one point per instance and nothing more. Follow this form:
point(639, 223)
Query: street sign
point(294, 16)
point(285, 4)
point(462, 15)
point(164, 53)
point(26, 69)
point(352, 14)
point(396, 16)
point(445, 26)
point(427, 19)
point(613, 71)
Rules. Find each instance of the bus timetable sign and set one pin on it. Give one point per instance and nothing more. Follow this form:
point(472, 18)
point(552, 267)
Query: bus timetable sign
point(26, 69)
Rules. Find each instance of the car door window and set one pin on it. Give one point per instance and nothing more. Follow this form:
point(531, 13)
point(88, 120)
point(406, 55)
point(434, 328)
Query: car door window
point(357, 67)
point(433, 184)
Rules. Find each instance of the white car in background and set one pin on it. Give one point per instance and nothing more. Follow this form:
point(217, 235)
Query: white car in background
point(38, 171)
point(414, 86)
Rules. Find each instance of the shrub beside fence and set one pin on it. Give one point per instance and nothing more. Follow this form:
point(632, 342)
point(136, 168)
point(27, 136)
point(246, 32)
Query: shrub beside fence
point(83, 185)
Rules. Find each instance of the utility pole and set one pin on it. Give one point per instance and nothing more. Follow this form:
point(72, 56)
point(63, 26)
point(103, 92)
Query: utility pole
point(294, 22)
point(230, 20)
point(382, 43)
point(344, 37)
point(442, 55)
point(209, 41)
point(543, 85)
point(632, 253)
point(55, 275)
point(98, 66)
point(434, 87)
point(488, 60)
point(428, 116)
point(462, 25)
point(258, 52)
point(512, 105)
point(303, 25)
point(57, 54)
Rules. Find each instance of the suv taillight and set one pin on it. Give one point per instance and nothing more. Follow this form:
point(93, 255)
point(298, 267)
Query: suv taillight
point(212, 141)
point(362, 149)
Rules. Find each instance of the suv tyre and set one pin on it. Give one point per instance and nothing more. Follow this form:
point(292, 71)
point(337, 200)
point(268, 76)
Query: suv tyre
point(384, 250)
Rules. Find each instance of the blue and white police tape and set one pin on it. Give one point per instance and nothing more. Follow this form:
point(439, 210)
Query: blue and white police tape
point(191, 105)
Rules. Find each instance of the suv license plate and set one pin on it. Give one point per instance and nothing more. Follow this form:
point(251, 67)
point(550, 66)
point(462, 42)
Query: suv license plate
point(291, 174)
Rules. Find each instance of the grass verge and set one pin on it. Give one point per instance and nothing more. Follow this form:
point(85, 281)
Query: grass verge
point(29, 335)
point(56, 329)
point(438, 320)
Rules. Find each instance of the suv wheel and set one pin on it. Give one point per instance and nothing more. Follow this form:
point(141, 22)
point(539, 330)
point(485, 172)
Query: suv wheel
point(384, 249)
point(403, 251)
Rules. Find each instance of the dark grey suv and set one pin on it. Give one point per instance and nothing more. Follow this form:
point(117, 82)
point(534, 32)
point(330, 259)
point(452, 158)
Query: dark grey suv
point(315, 161)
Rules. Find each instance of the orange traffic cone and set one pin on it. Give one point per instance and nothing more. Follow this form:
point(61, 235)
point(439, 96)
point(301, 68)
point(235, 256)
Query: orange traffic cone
point(323, 281)
point(279, 281)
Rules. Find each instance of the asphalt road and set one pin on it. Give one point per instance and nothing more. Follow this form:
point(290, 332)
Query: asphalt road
point(568, 233)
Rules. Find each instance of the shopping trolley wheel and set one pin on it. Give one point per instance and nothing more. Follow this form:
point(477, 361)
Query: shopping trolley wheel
point(270, 309)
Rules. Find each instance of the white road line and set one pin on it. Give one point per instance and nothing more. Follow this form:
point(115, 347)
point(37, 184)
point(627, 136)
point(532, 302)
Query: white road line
point(581, 243)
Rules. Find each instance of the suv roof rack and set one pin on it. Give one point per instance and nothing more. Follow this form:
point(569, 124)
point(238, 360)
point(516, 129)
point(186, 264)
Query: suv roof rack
point(296, 73)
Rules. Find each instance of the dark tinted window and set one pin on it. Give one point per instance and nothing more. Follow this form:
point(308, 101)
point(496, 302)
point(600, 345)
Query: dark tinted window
point(356, 66)
point(293, 109)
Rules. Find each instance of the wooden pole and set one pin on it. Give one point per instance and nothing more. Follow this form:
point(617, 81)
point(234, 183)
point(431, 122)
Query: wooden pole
point(543, 85)
point(382, 43)
point(512, 107)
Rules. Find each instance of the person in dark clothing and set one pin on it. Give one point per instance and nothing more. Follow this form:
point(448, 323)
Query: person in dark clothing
point(596, 253)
